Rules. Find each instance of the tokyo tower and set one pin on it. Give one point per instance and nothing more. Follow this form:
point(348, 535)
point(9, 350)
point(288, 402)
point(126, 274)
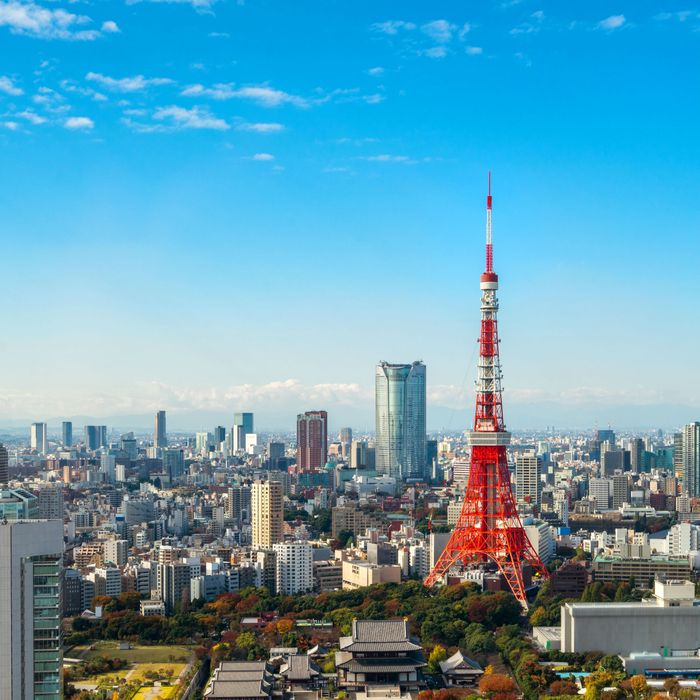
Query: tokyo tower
point(489, 527)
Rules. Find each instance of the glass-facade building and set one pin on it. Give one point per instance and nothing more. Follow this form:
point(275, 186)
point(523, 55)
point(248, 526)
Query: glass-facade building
point(400, 420)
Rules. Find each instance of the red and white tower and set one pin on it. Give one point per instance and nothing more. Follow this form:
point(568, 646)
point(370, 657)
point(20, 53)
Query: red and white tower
point(489, 526)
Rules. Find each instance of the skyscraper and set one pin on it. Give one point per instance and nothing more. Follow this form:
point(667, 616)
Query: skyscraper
point(67, 432)
point(312, 440)
point(173, 462)
point(275, 453)
point(400, 420)
point(31, 557)
point(242, 426)
point(691, 459)
point(4, 465)
point(268, 513)
point(38, 438)
point(159, 435)
point(637, 455)
point(95, 436)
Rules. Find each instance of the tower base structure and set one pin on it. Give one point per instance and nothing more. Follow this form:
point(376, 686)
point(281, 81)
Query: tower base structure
point(489, 527)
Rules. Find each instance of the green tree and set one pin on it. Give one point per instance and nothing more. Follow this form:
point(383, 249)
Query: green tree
point(438, 654)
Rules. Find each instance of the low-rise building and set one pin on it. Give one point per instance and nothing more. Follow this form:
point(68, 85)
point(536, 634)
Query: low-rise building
point(358, 573)
point(241, 680)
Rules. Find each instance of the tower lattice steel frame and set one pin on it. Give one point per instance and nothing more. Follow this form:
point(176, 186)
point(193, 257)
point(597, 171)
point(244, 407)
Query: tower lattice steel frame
point(489, 527)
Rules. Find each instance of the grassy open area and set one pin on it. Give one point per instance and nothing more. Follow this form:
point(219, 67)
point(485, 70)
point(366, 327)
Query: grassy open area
point(142, 654)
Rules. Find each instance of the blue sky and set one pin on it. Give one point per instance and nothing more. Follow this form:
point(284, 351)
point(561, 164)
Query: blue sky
point(218, 206)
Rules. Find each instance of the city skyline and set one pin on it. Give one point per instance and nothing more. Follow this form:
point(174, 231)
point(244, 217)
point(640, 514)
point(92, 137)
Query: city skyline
point(390, 137)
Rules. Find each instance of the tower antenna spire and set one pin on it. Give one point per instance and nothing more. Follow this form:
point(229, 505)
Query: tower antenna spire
point(489, 242)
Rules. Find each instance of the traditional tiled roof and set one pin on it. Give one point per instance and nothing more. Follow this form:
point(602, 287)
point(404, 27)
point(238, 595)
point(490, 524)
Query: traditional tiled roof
point(378, 635)
point(458, 662)
point(299, 668)
point(240, 679)
point(381, 665)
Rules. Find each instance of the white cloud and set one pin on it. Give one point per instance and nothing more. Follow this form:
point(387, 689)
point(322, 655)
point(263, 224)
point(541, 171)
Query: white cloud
point(263, 157)
point(110, 27)
point(31, 117)
point(269, 97)
point(78, 123)
point(219, 91)
point(435, 52)
point(135, 83)
point(439, 30)
point(260, 94)
point(392, 27)
point(31, 19)
point(612, 22)
point(387, 158)
point(11, 125)
point(262, 127)
point(8, 87)
point(219, 35)
point(195, 118)
point(377, 70)
point(374, 99)
point(474, 50)
point(201, 5)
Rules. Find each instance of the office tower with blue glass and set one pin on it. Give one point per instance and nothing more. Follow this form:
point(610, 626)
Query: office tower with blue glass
point(242, 426)
point(67, 433)
point(160, 439)
point(400, 420)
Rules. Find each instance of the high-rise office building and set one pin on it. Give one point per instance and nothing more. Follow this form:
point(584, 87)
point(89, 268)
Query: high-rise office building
point(599, 490)
point(312, 440)
point(173, 462)
point(219, 436)
point(4, 465)
point(242, 426)
point(275, 453)
point(203, 441)
point(95, 437)
point(620, 490)
point(691, 459)
point(528, 477)
point(38, 439)
point(268, 513)
point(345, 439)
point(400, 420)
point(50, 502)
point(238, 505)
point(160, 438)
point(636, 447)
point(31, 559)
point(67, 433)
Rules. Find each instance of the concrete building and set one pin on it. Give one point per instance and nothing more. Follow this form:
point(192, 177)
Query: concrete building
point(633, 563)
point(358, 573)
point(267, 513)
point(312, 440)
point(4, 466)
point(31, 561)
point(50, 502)
point(669, 621)
point(173, 584)
point(599, 490)
point(690, 459)
point(528, 477)
point(541, 538)
point(116, 552)
point(400, 420)
point(18, 504)
point(294, 563)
